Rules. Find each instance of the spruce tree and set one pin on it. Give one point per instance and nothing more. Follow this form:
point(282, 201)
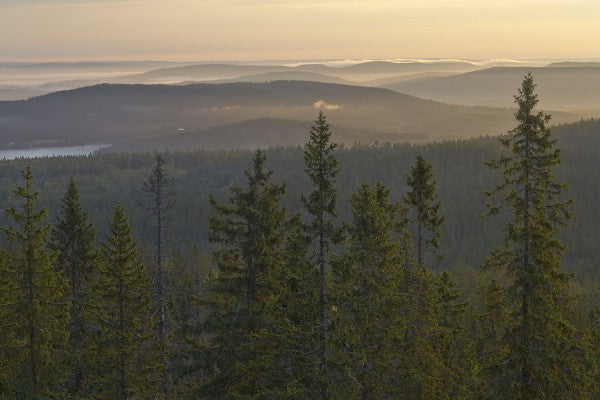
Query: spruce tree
point(322, 169)
point(248, 231)
point(159, 188)
point(456, 348)
point(424, 207)
point(421, 345)
point(72, 238)
point(534, 356)
point(126, 358)
point(367, 324)
point(35, 311)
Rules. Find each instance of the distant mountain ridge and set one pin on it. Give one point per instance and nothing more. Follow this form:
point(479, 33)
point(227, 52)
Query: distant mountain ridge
point(559, 87)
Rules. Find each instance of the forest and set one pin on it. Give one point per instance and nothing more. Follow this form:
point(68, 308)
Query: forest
point(451, 270)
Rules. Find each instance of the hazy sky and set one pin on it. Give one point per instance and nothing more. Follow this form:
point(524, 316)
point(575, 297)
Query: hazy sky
point(299, 29)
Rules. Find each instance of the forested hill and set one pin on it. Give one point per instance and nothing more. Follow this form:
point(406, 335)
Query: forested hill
point(458, 167)
point(111, 114)
point(561, 87)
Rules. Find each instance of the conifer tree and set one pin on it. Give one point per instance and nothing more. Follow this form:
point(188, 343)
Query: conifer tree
point(73, 239)
point(297, 294)
point(367, 323)
point(456, 350)
point(36, 309)
point(534, 356)
point(421, 345)
point(189, 273)
point(421, 201)
point(127, 362)
point(248, 229)
point(322, 169)
point(159, 187)
point(420, 364)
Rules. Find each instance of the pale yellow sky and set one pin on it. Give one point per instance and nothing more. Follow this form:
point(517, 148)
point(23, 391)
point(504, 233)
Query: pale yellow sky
point(301, 29)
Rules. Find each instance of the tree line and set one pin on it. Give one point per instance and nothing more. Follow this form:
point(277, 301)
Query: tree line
point(299, 305)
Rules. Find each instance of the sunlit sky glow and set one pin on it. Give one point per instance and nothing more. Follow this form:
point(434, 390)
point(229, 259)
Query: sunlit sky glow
point(38, 30)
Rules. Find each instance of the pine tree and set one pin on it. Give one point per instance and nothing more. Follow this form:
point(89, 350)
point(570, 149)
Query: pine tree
point(73, 239)
point(534, 356)
point(455, 347)
point(421, 201)
point(159, 187)
point(367, 324)
point(298, 292)
point(188, 274)
point(248, 229)
point(126, 361)
point(421, 345)
point(322, 169)
point(420, 366)
point(36, 309)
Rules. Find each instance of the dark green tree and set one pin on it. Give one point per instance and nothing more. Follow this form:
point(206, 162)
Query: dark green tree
point(424, 208)
point(159, 188)
point(72, 238)
point(242, 358)
point(594, 344)
point(535, 354)
point(322, 169)
point(456, 349)
point(421, 344)
point(36, 309)
point(188, 275)
point(126, 355)
point(367, 323)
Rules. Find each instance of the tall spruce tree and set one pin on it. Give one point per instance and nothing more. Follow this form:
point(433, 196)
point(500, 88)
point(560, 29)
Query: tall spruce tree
point(322, 169)
point(126, 357)
point(367, 324)
point(160, 189)
point(421, 344)
point(534, 356)
point(248, 229)
point(424, 207)
point(72, 238)
point(36, 312)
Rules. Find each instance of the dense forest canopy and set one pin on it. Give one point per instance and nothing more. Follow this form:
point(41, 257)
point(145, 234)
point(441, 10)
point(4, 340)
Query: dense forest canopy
point(459, 167)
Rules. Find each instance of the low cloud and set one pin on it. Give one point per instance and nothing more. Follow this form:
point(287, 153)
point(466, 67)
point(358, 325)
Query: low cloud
point(323, 105)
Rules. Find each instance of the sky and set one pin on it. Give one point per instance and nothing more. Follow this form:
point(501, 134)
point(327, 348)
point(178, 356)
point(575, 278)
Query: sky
point(204, 30)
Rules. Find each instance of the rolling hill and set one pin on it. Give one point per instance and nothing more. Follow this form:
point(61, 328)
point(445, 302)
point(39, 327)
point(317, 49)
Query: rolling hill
point(565, 87)
point(116, 113)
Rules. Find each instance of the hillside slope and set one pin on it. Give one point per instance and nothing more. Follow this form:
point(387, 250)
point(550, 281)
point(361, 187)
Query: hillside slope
point(116, 113)
point(559, 87)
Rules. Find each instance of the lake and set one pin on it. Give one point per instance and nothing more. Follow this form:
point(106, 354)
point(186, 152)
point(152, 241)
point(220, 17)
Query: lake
point(51, 151)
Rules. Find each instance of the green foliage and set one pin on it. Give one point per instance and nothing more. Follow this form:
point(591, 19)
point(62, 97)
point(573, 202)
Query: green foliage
point(421, 201)
point(187, 274)
point(124, 352)
point(73, 240)
point(456, 348)
point(535, 352)
point(34, 307)
point(367, 323)
point(240, 327)
point(321, 166)
point(159, 188)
